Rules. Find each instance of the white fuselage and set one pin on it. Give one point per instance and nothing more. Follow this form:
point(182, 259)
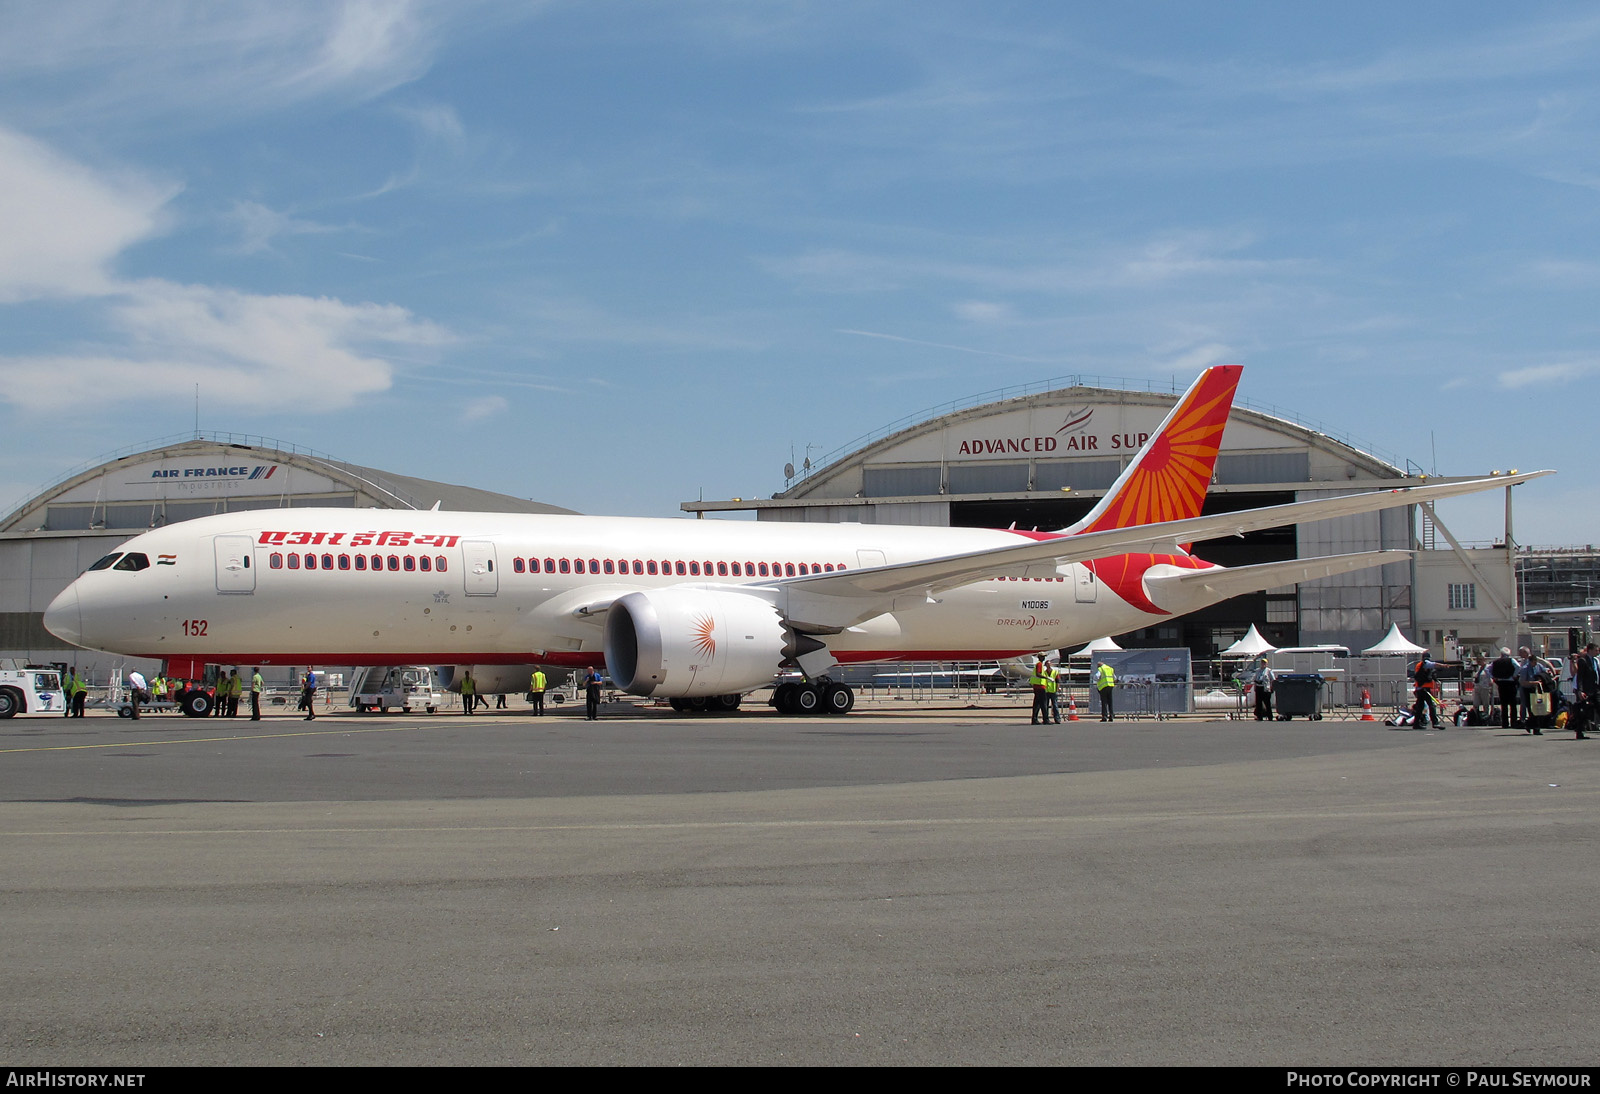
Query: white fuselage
point(306, 586)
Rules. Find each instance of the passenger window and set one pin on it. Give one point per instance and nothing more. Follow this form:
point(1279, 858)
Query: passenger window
point(344, 562)
point(594, 565)
point(680, 568)
point(394, 562)
point(566, 566)
point(411, 563)
point(788, 569)
point(517, 565)
point(638, 567)
point(133, 560)
point(763, 569)
point(650, 567)
point(105, 563)
point(294, 561)
point(549, 565)
point(275, 560)
point(694, 569)
point(426, 563)
point(611, 567)
point(577, 565)
point(722, 569)
point(361, 562)
point(327, 562)
point(439, 564)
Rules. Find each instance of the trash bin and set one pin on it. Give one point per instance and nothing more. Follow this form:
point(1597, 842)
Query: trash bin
point(1298, 693)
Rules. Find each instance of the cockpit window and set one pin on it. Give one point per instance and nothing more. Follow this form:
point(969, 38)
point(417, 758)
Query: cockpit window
point(105, 563)
point(133, 560)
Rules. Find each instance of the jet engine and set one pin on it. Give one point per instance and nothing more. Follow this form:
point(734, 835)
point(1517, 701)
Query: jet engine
point(685, 643)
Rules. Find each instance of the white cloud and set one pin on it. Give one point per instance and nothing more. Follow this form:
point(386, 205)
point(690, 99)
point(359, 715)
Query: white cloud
point(476, 410)
point(1545, 374)
point(62, 225)
point(261, 353)
point(258, 226)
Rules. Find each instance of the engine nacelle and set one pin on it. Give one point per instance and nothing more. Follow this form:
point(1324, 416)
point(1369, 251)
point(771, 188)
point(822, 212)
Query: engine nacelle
point(684, 643)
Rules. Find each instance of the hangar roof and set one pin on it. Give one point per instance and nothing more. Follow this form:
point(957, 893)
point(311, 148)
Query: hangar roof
point(200, 474)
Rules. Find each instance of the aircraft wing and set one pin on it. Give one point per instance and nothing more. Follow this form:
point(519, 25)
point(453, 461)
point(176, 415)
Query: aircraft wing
point(1581, 609)
point(828, 601)
point(1232, 581)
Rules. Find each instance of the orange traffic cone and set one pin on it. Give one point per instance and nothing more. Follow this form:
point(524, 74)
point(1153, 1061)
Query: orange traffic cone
point(1072, 708)
point(1366, 706)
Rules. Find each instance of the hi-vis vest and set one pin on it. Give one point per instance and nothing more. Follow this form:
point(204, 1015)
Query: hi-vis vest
point(538, 681)
point(1051, 679)
point(1104, 676)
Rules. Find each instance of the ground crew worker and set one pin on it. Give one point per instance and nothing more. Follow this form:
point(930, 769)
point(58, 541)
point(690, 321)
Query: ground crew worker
point(1105, 682)
point(1052, 685)
point(308, 694)
point(235, 689)
point(1041, 693)
point(80, 693)
point(67, 686)
point(536, 688)
point(255, 694)
point(469, 693)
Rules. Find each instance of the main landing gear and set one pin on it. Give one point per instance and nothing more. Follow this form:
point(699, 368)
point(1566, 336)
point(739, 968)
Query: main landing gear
point(823, 697)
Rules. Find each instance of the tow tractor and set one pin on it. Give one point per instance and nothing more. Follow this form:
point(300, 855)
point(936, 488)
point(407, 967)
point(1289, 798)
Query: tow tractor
point(32, 690)
point(405, 688)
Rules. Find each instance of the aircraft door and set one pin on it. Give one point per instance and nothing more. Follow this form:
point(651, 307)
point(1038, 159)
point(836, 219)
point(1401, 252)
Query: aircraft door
point(480, 573)
point(868, 557)
point(1084, 584)
point(235, 564)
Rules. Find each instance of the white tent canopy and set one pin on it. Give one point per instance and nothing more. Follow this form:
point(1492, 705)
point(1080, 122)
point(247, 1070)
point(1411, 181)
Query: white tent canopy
point(1395, 642)
point(1251, 645)
point(1099, 645)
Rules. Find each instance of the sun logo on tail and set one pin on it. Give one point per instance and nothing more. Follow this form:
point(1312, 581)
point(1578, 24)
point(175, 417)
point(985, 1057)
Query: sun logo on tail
point(705, 641)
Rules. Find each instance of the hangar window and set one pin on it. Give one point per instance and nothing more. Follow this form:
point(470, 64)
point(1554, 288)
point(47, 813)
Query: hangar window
point(105, 563)
point(294, 561)
point(425, 562)
point(275, 560)
point(411, 562)
point(394, 562)
point(440, 564)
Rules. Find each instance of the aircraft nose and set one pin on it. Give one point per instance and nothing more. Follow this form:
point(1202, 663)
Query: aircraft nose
point(64, 617)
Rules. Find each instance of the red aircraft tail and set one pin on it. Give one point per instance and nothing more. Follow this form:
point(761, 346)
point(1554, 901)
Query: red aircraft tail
point(1169, 478)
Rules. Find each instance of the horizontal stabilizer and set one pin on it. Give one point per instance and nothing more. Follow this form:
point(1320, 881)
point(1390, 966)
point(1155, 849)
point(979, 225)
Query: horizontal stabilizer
point(1210, 586)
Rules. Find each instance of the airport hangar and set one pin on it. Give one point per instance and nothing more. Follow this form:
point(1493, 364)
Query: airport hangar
point(1042, 458)
point(1037, 460)
point(56, 535)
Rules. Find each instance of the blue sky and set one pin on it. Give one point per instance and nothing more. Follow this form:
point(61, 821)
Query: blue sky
point(619, 255)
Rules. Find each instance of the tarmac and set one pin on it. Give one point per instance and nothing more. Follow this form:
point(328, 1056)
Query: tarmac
point(911, 884)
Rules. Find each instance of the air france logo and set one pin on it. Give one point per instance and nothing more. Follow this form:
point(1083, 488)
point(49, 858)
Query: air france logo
point(259, 471)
